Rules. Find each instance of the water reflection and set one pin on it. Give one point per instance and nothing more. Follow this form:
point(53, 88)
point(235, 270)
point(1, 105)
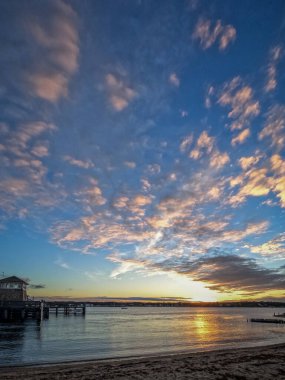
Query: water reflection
point(203, 328)
point(14, 337)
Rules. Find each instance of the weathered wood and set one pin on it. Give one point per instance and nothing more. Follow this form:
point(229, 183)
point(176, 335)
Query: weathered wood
point(39, 310)
point(267, 320)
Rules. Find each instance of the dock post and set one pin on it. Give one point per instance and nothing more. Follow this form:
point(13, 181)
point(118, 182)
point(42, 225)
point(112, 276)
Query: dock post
point(84, 310)
point(23, 314)
point(46, 312)
point(42, 311)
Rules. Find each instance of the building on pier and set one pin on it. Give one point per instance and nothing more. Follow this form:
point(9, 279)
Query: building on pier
point(13, 289)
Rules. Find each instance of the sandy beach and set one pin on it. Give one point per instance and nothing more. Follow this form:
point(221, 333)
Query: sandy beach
point(246, 363)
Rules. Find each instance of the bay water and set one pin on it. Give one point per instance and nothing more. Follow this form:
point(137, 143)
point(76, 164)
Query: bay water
point(108, 332)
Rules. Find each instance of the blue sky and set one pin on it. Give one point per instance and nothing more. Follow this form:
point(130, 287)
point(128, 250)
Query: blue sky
point(142, 148)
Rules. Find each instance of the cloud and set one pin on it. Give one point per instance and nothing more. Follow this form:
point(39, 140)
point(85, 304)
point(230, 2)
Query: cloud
point(240, 98)
point(219, 272)
point(37, 286)
point(60, 43)
point(277, 164)
point(183, 113)
point(79, 163)
point(135, 205)
point(206, 145)
point(278, 179)
point(24, 176)
point(228, 35)
point(62, 264)
point(120, 95)
point(259, 181)
point(146, 186)
point(174, 80)
point(218, 160)
point(209, 95)
point(153, 169)
point(279, 188)
point(227, 273)
point(101, 231)
point(275, 56)
point(241, 137)
point(47, 50)
point(255, 182)
point(91, 195)
point(274, 128)
point(186, 142)
point(274, 249)
point(130, 164)
point(247, 162)
point(207, 34)
point(40, 149)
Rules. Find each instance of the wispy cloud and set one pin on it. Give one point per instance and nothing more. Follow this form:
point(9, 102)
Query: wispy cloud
point(25, 177)
point(37, 286)
point(274, 127)
point(79, 163)
point(130, 164)
point(275, 56)
point(260, 181)
point(273, 249)
point(247, 162)
point(186, 143)
point(209, 95)
point(241, 137)
point(255, 182)
point(240, 98)
point(174, 80)
point(206, 145)
point(208, 33)
point(49, 38)
point(119, 93)
point(62, 264)
point(61, 46)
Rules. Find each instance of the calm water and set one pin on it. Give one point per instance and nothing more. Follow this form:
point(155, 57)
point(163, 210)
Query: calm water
point(115, 332)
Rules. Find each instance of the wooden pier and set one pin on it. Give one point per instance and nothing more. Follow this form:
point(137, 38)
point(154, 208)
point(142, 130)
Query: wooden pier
point(15, 311)
point(267, 320)
point(12, 311)
point(67, 308)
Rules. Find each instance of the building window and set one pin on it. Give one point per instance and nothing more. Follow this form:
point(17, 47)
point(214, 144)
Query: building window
point(11, 285)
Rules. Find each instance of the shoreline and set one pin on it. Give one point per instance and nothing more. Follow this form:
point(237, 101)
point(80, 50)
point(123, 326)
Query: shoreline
point(257, 362)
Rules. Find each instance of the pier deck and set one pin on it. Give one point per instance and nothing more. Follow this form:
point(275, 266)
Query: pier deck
point(11, 311)
point(20, 310)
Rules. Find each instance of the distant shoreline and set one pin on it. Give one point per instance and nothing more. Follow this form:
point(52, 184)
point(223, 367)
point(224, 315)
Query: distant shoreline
point(262, 362)
point(141, 303)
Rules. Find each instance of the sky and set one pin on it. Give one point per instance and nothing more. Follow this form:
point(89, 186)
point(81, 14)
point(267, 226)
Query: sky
point(142, 148)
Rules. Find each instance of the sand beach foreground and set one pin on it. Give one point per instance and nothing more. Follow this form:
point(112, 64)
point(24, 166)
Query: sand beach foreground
point(266, 362)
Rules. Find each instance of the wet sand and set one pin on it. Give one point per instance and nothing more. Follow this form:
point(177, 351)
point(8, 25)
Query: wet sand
point(262, 363)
